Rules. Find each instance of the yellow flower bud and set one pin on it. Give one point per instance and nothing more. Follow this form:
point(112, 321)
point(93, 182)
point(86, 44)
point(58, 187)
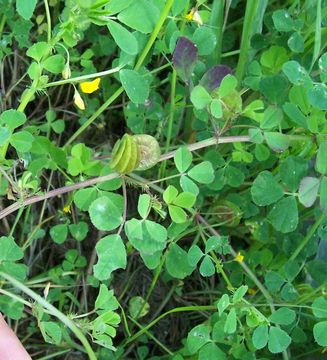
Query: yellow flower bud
point(78, 100)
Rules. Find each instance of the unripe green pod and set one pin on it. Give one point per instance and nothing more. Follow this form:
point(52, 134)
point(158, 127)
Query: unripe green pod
point(135, 152)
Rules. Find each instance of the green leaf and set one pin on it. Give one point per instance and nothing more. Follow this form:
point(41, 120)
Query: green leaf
point(194, 255)
point(5, 135)
point(200, 97)
point(323, 194)
point(205, 39)
point(144, 205)
point(265, 189)
point(51, 332)
point(141, 15)
point(177, 214)
point(79, 230)
point(292, 170)
point(125, 40)
point(277, 141)
point(11, 308)
point(274, 281)
point(22, 141)
point(240, 293)
point(116, 6)
point(260, 337)
point(59, 233)
point(185, 200)
point(83, 198)
point(284, 215)
point(111, 256)
point(183, 159)
point(318, 96)
point(320, 333)
point(146, 236)
point(283, 21)
point(54, 64)
point(177, 263)
point(319, 307)
point(273, 117)
point(170, 194)
point(207, 267)
point(188, 185)
point(211, 351)
point(212, 244)
point(274, 88)
point(197, 337)
point(231, 322)
point(295, 73)
point(12, 119)
point(38, 50)
point(10, 251)
point(25, 8)
point(256, 136)
point(135, 85)
point(216, 109)
point(106, 212)
point(296, 42)
point(106, 299)
point(202, 173)
point(278, 340)
point(227, 85)
point(138, 307)
point(283, 316)
point(223, 304)
point(321, 163)
point(274, 58)
point(308, 190)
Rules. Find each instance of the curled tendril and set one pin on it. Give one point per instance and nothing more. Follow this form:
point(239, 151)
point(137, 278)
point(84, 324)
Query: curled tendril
point(135, 152)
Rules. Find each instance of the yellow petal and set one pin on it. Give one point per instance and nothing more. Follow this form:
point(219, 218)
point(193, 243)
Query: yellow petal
point(88, 87)
point(67, 210)
point(79, 101)
point(189, 16)
point(239, 257)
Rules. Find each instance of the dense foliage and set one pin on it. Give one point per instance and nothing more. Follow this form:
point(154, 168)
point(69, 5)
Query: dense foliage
point(202, 234)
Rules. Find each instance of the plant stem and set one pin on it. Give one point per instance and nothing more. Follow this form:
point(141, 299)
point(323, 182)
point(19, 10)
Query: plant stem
point(84, 77)
point(248, 25)
point(53, 311)
point(309, 235)
point(175, 310)
point(139, 63)
point(48, 15)
point(217, 20)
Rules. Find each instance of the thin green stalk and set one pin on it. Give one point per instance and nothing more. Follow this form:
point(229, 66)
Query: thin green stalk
point(2, 23)
point(54, 355)
point(48, 15)
point(170, 119)
point(317, 42)
point(139, 63)
point(217, 20)
point(20, 212)
point(248, 25)
point(308, 237)
point(175, 310)
point(84, 77)
point(53, 311)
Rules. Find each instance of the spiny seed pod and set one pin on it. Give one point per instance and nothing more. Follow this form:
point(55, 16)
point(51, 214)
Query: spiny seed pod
point(135, 152)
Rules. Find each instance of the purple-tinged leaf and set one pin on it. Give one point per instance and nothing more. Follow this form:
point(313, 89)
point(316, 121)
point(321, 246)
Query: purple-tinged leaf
point(213, 77)
point(184, 58)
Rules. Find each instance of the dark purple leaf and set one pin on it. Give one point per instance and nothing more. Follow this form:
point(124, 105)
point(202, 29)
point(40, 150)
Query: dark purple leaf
point(184, 58)
point(213, 77)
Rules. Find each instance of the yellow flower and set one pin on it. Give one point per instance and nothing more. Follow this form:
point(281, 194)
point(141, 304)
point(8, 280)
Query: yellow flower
point(239, 257)
point(66, 209)
point(88, 87)
point(195, 16)
point(78, 100)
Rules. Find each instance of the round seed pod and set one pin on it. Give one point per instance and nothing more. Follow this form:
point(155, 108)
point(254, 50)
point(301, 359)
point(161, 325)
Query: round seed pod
point(135, 152)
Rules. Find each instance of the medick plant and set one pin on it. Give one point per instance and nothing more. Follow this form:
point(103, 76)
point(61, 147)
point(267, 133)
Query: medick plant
point(163, 178)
